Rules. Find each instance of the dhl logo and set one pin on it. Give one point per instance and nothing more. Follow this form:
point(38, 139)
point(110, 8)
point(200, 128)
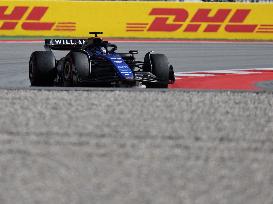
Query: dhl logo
point(178, 19)
point(30, 19)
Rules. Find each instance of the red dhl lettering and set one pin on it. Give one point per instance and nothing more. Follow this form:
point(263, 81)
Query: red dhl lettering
point(179, 20)
point(32, 21)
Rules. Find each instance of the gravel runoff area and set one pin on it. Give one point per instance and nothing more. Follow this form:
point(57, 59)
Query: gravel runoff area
point(137, 147)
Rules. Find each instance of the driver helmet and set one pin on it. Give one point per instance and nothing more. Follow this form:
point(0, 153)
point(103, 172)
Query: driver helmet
point(103, 50)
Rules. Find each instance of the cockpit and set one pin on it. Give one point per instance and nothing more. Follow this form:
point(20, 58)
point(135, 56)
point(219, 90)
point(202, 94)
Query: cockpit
point(98, 45)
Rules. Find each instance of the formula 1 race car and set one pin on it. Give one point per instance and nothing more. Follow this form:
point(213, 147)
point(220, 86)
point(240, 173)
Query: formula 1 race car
point(95, 62)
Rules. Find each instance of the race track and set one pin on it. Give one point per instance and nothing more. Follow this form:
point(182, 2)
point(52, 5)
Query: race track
point(135, 146)
point(184, 56)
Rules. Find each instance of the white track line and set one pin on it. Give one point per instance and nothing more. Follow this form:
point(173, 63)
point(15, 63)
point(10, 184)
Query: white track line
point(214, 72)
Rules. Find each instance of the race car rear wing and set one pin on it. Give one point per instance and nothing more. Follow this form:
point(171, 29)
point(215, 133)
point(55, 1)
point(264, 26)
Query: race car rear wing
point(64, 44)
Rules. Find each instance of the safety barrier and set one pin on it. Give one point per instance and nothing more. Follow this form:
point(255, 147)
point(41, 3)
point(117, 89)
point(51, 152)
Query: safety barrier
point(137, 19)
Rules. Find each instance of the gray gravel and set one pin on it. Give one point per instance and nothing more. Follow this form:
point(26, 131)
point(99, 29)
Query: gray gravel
point(136, 147)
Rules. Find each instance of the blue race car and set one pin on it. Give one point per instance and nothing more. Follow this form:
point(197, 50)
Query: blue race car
point(95, 62)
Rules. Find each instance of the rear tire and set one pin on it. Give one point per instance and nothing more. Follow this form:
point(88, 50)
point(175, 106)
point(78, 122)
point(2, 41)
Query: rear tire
point(160, 68)
point(42, 71)
point(76, 68)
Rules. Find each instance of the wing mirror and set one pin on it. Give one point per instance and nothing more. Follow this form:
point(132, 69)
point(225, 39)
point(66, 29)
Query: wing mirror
point(114, 48)
point(133, 52)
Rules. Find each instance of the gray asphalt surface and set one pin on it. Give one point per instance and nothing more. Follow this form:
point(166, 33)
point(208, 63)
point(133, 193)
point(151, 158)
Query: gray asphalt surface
point(136, 146)
point(184, 56)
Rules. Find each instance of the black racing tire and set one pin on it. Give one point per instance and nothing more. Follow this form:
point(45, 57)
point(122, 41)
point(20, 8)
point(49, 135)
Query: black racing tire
point(42, 70)
point(76, 68)
point(160, 68)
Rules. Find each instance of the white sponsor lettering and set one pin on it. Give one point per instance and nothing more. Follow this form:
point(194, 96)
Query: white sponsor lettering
point(81, 42)
point(68, 42)
point(57, 42)
point(122, 67)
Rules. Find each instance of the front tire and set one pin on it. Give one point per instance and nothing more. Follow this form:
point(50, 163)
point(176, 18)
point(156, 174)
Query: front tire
point(160, 68)
point(42, 71)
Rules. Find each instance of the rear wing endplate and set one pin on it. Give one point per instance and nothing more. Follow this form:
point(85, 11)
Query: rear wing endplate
point(64, 44)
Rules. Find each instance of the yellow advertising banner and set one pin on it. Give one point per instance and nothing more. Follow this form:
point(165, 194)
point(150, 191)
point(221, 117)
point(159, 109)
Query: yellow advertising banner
point(137, 19)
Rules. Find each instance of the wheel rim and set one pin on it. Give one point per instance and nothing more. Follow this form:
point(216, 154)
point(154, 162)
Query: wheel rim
point(67, 71)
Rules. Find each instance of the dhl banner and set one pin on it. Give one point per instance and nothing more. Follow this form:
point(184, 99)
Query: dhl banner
point(137, 19)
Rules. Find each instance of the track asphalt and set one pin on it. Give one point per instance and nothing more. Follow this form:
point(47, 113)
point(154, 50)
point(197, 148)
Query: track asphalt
point(184, 56)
